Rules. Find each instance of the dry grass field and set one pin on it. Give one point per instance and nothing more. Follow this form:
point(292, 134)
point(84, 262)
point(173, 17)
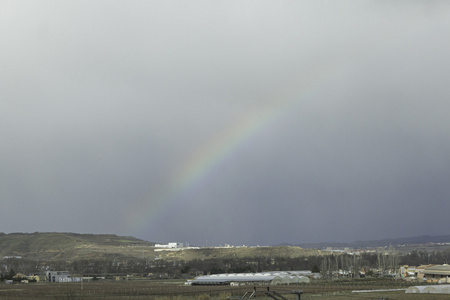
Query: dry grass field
point(176, 290)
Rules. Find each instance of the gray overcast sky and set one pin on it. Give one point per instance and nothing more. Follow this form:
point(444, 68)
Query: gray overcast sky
point(242, 122)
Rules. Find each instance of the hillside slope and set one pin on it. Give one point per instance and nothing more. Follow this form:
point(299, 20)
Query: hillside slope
point(69, 246)
point(73, 246)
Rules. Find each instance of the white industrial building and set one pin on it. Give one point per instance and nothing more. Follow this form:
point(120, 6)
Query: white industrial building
point(60, 276)
point(170, 245)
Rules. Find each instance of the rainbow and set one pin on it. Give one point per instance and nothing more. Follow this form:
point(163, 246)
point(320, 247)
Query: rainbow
point(209, 156)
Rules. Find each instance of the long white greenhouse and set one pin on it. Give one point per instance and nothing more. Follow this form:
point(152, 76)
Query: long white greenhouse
point(268, 278)
point(429, 289)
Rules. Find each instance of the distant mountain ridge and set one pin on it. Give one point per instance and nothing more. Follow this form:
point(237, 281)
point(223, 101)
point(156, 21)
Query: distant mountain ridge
point(416, 240)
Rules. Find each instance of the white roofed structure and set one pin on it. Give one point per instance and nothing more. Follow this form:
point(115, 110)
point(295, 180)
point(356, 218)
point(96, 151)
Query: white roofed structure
point(429, 289)
point(272, 278)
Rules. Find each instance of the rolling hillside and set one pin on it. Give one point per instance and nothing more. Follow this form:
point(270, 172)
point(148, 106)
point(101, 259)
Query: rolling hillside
point(70, 246)
point(73, 246)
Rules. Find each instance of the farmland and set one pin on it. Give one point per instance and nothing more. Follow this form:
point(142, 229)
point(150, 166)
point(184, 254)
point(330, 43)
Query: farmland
point(176, 290)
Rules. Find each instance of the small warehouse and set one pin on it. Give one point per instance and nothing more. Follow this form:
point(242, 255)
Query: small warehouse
point(440, 273)
point(60, 276)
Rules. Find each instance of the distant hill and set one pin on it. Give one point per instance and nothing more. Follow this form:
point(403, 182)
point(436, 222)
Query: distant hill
point(418, 240)
point(73, 246)
point(69, 246)
point(54, 246)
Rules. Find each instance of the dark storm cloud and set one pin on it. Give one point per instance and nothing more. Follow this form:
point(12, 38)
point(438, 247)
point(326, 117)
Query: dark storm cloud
point(103, 102)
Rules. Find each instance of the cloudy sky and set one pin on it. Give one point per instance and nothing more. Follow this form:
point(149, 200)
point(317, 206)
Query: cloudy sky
point(212, 122)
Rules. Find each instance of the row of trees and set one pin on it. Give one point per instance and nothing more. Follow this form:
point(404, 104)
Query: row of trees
point(421, 257)
point(379, 263)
